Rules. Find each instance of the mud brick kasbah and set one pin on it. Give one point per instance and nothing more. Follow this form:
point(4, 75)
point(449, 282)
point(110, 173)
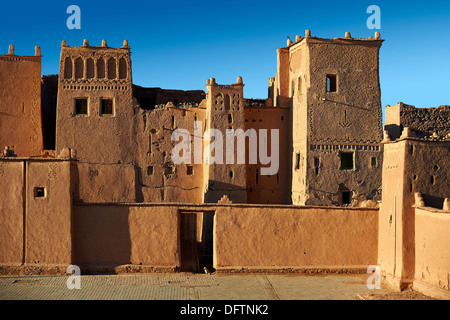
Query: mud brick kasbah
point(88, 178)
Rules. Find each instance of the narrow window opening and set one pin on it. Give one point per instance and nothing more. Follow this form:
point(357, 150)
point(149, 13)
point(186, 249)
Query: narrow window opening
point(231, 174)
point(150, 170)
point(374, 162)
point(331, 83)
point(297, 160)
point(299, 85)
point(257, 176)
point(316, 165)
point(230, 118)
point(190, 170)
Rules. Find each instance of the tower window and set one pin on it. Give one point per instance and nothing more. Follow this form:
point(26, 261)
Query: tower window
point(316, 165)
point(150, 170)
point(39, 192)
point(331, 83)
point(347, 160)
point(80, 106)
point(190, 170)
point(106, 106)
point(297, 160)
point(374, 162)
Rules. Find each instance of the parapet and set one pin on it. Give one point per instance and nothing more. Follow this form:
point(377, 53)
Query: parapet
point(347, 37)
point(102, 46)
point(212, 82)
point(13, 57)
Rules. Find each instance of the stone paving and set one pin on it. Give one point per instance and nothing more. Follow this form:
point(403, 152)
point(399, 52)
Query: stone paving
point(188, 287)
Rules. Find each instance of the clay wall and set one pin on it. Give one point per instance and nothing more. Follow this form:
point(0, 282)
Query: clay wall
point(423, 121)
point(36, 214)
point(158, 178)
point(283, 237)
point(126, 234)
point(432, 257)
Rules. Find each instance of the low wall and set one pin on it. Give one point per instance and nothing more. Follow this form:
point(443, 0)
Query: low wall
point(432, 267)
point(271, 237)
point(145, 237)
point(126, 234)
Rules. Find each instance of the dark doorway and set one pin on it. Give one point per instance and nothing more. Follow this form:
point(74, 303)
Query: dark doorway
point(196, 236)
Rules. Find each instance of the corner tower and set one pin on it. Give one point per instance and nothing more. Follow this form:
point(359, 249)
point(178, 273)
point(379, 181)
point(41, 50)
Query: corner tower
point(333, 91)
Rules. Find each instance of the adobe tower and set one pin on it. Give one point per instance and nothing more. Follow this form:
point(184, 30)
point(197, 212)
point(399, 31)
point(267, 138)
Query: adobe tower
point(95, 100)
point(333, 91)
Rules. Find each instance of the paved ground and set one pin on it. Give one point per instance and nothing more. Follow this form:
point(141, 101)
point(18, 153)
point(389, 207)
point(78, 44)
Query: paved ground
point(195, 287)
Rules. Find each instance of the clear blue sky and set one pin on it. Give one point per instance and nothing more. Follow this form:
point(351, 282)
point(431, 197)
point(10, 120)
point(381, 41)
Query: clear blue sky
point(180, 44)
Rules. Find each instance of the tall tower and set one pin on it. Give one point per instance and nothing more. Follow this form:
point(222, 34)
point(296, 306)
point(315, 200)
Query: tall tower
point(20, 104)
point(332, 89)
point(224, 112)
point(95, 104)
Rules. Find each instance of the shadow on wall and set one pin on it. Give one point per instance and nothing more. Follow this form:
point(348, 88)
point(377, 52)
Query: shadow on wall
point(432, 201)
point(217, 189)
point(102, 237)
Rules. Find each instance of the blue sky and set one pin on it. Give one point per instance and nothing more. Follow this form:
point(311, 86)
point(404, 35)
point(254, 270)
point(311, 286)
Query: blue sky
point(180, 44)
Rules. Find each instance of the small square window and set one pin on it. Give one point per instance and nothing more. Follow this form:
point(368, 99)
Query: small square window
point(150, 170)
point(346, 197)
point(331, 83)
point(39, 192)
point(347, 160)
point(106, 106)
point(81, 106)
point(190, 170)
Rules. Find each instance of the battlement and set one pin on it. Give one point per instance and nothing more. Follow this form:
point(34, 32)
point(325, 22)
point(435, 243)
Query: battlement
point(346, 39)
point(212, 82)
point(103, 46)
point(11, 56)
